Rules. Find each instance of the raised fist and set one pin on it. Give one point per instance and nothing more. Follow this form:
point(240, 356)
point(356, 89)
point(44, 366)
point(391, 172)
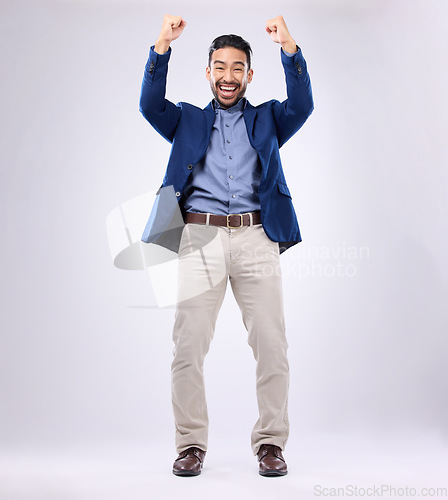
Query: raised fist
point(172, 28)
point(278, 31)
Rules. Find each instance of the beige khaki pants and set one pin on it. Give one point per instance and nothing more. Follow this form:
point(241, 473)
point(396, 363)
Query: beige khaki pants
point(209, 256)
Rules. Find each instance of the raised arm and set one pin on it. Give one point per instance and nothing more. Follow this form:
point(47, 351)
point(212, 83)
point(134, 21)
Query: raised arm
point(162, 114)
point(292, 113)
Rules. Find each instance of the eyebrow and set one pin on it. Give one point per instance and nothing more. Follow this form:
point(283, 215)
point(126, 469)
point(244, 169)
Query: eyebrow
point(222, 62)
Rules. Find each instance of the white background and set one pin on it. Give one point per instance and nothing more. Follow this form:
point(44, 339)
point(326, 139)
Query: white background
point(85, 351)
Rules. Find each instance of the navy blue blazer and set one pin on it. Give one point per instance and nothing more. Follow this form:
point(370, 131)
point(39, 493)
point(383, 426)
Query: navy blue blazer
point(188, 128)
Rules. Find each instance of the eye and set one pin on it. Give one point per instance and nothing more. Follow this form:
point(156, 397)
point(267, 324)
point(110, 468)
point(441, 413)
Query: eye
point(238, 69)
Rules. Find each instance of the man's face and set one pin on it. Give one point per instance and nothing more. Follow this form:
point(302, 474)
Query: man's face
point(228, 75)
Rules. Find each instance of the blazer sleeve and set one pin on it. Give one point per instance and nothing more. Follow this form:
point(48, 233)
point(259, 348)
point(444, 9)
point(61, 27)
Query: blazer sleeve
point(162, 114)
point(292, 113)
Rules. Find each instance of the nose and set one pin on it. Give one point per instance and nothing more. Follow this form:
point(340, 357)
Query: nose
point(228, 75)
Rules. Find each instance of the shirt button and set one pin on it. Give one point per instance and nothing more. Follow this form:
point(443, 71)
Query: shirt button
point(230, 176)
point(228, 142)
point(227, 125)
point(233, 195)
point(231, 157)
point(178, 193)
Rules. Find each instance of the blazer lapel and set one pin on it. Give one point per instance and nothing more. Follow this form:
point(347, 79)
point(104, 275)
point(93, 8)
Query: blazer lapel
point(249, 114)
point(209, 116)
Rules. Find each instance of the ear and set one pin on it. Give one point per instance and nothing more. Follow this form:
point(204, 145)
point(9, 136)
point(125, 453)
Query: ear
point(250, 75)
point(207, 73)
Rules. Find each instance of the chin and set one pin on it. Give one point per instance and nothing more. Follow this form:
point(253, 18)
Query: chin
point(229, 104)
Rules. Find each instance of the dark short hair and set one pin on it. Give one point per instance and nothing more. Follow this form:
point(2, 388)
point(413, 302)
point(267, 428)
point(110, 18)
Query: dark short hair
point(230, 41)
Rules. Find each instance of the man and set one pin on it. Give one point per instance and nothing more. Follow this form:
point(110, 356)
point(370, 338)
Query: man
point(227, 180)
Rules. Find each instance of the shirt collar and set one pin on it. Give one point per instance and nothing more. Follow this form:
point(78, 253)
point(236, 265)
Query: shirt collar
point(238, 107)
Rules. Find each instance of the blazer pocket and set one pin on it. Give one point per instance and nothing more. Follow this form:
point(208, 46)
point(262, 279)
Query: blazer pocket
point(283, 188)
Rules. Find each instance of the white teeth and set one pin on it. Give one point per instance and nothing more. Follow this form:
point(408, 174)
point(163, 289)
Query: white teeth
point(227, 88)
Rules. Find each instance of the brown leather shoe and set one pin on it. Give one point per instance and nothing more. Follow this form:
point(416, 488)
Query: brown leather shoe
point(189, 462)
point(271, 461)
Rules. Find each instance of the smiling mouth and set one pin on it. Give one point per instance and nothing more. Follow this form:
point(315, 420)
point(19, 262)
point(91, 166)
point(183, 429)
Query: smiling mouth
point(227, 91)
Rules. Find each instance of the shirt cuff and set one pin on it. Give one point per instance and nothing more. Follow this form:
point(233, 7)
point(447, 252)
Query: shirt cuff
point(156, 53)
point(291, 54)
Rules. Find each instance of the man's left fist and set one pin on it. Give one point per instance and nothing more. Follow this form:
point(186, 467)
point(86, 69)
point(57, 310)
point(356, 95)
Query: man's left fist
point(278, 31)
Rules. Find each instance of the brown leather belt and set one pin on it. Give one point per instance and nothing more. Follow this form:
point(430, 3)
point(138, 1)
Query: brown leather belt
point(231, 220)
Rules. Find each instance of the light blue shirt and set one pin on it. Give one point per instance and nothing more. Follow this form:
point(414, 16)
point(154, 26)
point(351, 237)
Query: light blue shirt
point(226, 180)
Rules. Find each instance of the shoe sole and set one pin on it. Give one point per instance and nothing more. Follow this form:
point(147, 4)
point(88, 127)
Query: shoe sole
point(272, 473)
point(186, 473)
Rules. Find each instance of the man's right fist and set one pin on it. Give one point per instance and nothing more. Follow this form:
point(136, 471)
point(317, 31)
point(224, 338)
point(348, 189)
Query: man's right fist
point(172, 28)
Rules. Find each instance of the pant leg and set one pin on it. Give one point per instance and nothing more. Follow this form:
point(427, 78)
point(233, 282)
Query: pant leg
point(255, 277)
point(203, 273)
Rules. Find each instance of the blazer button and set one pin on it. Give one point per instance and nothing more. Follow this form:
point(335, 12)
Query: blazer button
point(190, 167)
point(178, 193)
point(151, 67)
point(299, 68)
